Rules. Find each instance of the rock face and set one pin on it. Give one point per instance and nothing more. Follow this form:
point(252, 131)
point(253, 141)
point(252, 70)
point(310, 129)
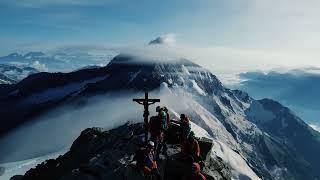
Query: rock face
point(98, 154)
point(278, 121)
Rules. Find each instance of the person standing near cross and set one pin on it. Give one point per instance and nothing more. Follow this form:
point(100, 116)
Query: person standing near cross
point(146, 102)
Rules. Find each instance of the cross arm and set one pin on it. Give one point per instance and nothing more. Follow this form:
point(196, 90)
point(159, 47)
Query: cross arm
point(154, 100)
point(148, 100)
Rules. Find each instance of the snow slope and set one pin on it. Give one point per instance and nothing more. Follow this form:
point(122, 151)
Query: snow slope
point(21, 167)
point(239, 168)
point(58, 92)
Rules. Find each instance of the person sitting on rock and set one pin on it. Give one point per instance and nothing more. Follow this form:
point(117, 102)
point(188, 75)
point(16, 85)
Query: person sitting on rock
point(191, 147)
point(185, 127)
point(196, 173)
point(150, 167)
point(145, 160)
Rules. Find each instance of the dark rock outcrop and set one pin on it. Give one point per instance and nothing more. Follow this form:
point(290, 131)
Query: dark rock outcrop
point(16, 177)
point(98, 154)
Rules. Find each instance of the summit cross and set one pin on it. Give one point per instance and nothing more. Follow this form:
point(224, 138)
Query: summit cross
point(146, 102)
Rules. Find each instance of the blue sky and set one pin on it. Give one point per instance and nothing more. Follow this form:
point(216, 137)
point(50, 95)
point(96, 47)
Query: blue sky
point(119, 22)
point(248, 34)
point(236, 23)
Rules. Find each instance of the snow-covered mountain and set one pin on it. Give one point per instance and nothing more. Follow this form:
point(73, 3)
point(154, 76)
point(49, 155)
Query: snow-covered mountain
point(266, 137)
point(58, 61)
point(10, 74)
point(290, 85)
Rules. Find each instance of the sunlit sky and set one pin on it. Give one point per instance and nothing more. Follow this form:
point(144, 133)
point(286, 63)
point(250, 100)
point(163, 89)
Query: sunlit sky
point(248, 33)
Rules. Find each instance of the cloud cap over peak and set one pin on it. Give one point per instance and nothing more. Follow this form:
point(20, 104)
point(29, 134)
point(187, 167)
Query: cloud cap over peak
point(166, 39)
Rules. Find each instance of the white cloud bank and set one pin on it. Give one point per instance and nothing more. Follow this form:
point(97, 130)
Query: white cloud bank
point(57, 129)
point(40, 67)
point(227, 63)
point(315, 127)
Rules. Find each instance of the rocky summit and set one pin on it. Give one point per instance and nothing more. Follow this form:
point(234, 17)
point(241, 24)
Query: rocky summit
point(98, 154)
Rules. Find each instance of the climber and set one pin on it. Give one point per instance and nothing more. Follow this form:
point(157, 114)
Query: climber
point(191, 147)
point(166, 132)
point(165, 109)
point(155, 131)
point(185, 127)
point(161, 129)
point(163, 116)
point(196, 174)
point(145, 161)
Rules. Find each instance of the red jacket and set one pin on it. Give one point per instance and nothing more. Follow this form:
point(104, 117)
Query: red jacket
point(154, 126)
point(148, 170)
point(145, 160)
point(168, 119)
point(191, 148)
point(197, 174)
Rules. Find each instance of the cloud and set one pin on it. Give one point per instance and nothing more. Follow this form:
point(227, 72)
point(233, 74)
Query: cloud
point(298, 89)
point(80, 49)
point(166, 39)
point(40, 67)
point(315, 127)
point(58, 128)
point(47, 3)
point(225, 62)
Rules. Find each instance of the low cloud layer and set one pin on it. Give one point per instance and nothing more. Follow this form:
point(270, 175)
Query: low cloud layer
point(40, 67)
point(298, 89)
point(57, 129)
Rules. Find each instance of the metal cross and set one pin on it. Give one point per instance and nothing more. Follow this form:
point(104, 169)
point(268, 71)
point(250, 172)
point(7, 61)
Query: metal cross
point(146, 102)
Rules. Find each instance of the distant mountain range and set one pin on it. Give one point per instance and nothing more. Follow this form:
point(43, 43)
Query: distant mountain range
point(10, 74)
point(298, 89)
point(59, 61)
point(272, 141)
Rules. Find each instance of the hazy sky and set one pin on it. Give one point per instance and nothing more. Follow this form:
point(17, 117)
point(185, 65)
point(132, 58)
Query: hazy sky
point(248, 33)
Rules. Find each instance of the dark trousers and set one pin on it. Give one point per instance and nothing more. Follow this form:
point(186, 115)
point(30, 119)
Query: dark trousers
point(162, 144)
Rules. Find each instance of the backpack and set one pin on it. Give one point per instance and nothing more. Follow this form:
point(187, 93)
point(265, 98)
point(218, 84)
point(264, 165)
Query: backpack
point(164, 121)
point(155, 126)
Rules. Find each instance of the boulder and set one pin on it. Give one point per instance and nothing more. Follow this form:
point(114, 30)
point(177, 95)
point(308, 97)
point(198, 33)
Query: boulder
point(205, 145)
point(16, 177)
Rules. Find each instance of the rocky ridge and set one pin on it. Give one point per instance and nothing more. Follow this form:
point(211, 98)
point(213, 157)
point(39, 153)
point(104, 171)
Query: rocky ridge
point(98, 154)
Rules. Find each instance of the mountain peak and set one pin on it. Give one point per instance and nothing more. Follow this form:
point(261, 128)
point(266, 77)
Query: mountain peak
point(33, 54)
point(14, 55)
point(136, 59)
